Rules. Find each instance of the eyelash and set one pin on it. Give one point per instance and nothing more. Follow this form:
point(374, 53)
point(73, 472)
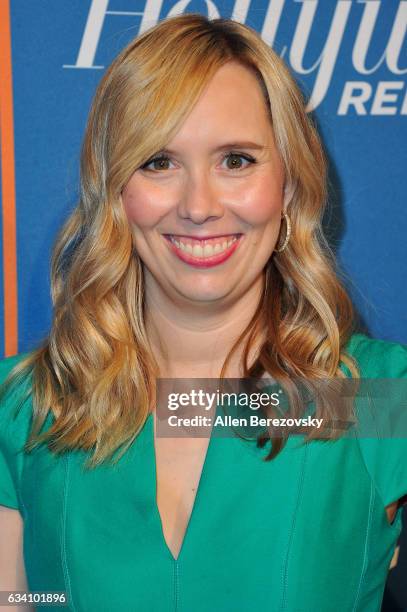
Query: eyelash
point(245, 156)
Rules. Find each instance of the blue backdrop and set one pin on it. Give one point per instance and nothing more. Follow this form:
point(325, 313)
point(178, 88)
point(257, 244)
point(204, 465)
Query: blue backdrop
point(349, 56)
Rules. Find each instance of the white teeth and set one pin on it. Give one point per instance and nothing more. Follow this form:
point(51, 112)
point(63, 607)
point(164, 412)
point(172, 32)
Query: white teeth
point(203, 251)
point(197, 251)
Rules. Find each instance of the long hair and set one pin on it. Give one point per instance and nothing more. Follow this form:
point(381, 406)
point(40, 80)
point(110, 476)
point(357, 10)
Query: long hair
point(95, 372)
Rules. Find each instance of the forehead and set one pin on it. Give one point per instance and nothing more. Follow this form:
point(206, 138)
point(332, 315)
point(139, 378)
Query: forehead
point(231, 106)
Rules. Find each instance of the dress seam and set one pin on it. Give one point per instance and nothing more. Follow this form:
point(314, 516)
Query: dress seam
point(176, 586)
point(67, 579)
point(366, 550)
point(292, 530)
point(23, 509)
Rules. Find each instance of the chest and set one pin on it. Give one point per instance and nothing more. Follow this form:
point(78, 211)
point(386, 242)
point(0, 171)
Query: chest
point(179, 465)
point(94, 532)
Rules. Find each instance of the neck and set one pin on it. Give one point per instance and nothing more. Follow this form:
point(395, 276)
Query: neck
point(192, 340)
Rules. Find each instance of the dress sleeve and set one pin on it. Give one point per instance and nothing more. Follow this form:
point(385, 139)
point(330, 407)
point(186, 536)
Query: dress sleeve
point(383, 436)
point(13, 430)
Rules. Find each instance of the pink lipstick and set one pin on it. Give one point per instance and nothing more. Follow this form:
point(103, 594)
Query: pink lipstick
point(203, 252)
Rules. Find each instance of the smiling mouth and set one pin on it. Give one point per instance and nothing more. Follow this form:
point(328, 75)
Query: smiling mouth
point(203, 252)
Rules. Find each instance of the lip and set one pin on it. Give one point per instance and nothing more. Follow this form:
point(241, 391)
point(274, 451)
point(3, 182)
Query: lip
point(207, 237)
point(203, 262)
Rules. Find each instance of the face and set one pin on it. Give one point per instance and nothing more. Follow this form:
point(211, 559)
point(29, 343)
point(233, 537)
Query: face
point(206, 210)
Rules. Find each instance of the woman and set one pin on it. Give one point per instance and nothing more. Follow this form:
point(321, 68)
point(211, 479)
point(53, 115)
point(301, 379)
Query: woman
point(196, 251)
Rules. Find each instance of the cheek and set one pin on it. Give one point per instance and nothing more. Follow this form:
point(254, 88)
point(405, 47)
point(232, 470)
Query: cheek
point(261, 202)
point(144, 204)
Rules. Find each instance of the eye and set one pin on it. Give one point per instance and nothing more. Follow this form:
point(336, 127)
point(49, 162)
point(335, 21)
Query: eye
point(234, 161)
point(162, 160)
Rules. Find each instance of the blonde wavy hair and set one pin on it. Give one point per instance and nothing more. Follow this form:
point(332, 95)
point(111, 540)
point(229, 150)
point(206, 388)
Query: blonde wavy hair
point(95, 372)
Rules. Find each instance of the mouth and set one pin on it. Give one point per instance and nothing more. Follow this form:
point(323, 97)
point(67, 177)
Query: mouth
point(203, 252)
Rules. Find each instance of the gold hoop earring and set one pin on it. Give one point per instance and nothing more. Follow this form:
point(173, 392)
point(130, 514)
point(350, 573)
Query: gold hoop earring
point(287, 234)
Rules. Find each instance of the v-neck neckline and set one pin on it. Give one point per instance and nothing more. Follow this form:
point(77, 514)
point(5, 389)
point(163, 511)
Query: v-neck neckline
point(198, 492)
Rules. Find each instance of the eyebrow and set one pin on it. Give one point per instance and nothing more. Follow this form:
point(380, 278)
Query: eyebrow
point(244, 144)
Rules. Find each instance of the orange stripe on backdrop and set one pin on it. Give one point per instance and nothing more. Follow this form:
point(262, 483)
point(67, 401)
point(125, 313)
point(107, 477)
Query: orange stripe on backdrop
point(8, 185)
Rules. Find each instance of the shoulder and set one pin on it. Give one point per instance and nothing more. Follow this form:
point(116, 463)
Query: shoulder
point(8, 363)
point(377, 358)
point(15, 400)
point(382, 412)
point(15, 423)
point(16, 388)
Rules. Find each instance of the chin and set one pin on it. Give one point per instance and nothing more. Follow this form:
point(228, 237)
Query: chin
point(204, 294)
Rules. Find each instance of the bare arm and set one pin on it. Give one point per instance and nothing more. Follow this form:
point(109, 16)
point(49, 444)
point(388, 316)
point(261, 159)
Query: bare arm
point(391, 510)
point(12, 571)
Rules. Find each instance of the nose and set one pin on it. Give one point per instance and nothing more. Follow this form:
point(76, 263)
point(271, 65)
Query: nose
point(200, 200)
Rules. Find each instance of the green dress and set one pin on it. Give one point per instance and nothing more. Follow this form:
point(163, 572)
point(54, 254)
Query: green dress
point(304, 532)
